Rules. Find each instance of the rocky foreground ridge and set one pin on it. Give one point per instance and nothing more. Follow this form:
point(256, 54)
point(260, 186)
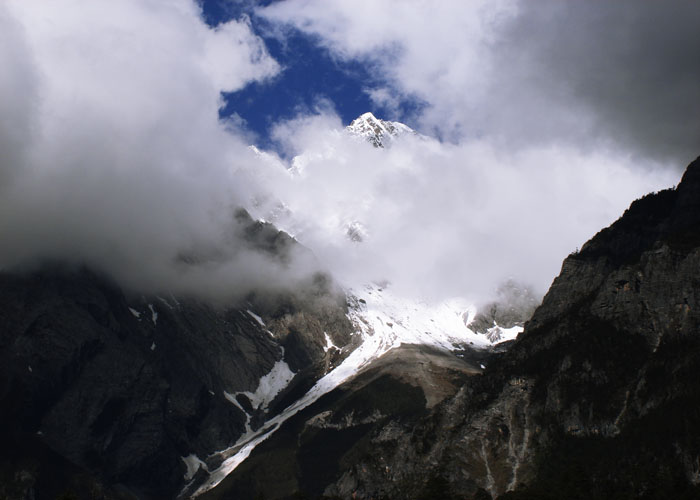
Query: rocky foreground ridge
point(597, 398)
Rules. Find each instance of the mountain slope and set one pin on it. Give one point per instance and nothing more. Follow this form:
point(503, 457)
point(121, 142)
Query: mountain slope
point(160, 396)
point(128, 391)
point(391, 332)
point(597, 398)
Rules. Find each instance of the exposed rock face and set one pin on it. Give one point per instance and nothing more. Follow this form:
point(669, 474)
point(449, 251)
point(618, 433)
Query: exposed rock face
point(113, 392)
point(327, 441)
point(117, 389)
point(597, 398)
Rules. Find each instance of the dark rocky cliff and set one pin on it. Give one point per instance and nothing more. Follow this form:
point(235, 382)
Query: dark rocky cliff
point(597, 398)
point(103, 392)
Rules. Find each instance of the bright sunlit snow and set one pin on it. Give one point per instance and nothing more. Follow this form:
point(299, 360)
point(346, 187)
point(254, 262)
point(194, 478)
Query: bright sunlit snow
point(399, 320)
point(270, 385)
point(378, 132)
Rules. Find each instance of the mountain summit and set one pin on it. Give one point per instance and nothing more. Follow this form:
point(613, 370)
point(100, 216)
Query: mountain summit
point(379, 132)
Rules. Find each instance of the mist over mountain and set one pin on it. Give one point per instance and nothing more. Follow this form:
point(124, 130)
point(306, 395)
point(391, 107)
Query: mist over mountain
point(439, 220)
point(201, 302)
point(596, 398)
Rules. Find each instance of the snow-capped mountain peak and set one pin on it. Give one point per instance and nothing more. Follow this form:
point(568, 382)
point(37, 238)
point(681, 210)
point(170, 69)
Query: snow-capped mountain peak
point(378, 132)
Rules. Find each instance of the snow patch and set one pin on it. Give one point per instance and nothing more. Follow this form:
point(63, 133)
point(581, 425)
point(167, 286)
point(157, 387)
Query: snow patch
point(329, 343)
point(497, 334)
point(154, 314)
point(256, 317)
point(270, 385)
point(232, 399)
point(153, 346)
point(396, 320)
point(177, 304)
point(135, 313)
point(193, 463)
point(165, 302)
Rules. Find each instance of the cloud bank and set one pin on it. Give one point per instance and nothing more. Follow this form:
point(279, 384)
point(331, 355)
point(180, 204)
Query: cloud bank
point(112, 151)
point(441, 220)
point(553, 117)
point(551, 120)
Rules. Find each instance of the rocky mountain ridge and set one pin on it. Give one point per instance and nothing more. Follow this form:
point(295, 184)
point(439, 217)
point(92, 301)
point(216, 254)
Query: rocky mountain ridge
point(597, 398)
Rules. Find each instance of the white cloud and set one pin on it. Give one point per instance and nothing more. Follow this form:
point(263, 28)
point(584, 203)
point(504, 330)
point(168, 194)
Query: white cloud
point(448, 220)
point(113, 154)
point(556, 114)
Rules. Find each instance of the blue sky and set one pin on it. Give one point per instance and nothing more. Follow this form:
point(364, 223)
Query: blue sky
point(311, 78)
